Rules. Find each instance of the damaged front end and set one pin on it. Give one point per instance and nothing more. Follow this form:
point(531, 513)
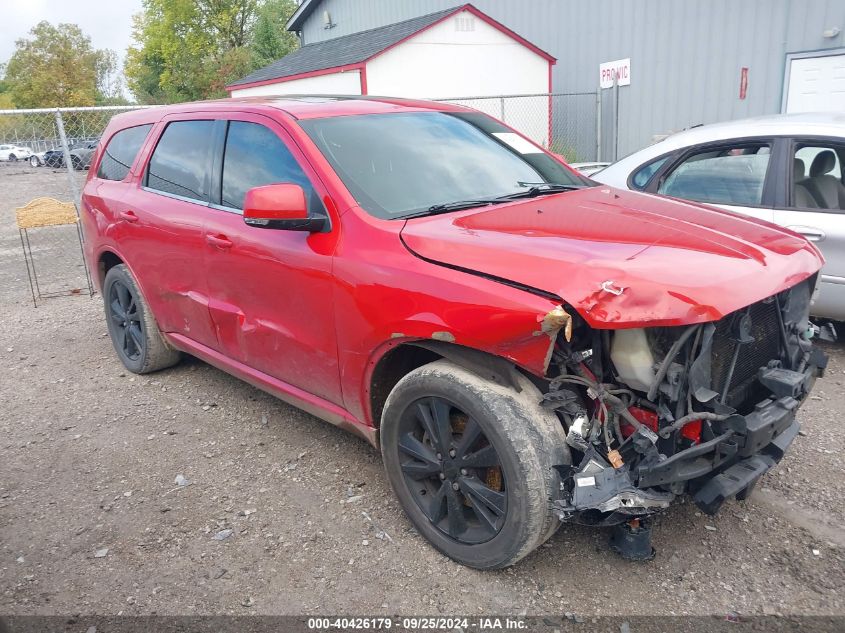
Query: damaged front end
point(704, 409)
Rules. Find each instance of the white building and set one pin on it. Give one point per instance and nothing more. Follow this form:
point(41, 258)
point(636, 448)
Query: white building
point(452, 54)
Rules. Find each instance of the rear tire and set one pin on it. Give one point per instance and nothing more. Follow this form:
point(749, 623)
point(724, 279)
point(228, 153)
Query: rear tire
point(499, 518)
point(132, 327)
point(33, 161)
point(76, 163)
point(12, 158)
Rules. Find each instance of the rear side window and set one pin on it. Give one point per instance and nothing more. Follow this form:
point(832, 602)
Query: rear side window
point(121, 151)
point(180, 163)
point(732, 175)
point(256, 156)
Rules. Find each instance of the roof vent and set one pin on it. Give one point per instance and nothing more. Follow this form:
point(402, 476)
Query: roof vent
point(327, 20)
point(464, 23)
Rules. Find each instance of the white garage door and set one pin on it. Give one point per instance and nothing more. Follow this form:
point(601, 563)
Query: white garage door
point(816, 84)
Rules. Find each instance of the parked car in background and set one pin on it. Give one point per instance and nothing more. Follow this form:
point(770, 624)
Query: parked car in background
point(37, 159)
point(588, 169)
point(526, 347)
point(786, 169)
point(14, 152)
point(54, 157)
point(80, 155)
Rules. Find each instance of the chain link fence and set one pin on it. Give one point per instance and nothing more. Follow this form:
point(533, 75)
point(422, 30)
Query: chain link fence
point(568, 124)
point(44, 154)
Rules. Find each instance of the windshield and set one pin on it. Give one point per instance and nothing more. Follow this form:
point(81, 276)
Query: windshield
point(398, 164)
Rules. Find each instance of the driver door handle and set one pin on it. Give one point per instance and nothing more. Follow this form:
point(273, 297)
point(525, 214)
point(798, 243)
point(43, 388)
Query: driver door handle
point(128, 216)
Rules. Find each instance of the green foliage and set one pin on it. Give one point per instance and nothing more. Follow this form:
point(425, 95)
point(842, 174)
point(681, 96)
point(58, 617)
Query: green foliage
point(109, 79)
point(6, 102)
point(54, 66)
point(191, 49)
point(563, 148)
point(271, 41)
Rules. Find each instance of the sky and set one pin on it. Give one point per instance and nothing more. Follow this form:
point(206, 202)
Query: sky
point(107, 22)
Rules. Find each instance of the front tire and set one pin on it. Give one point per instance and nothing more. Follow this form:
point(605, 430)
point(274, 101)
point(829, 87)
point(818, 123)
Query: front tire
point(13, 158)
point(472, 463)
point(132, 328)
point(33, 161)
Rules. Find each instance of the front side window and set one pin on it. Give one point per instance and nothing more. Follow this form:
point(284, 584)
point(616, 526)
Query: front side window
point(817, 177)
point(397, 164)
point(180, 162)
point(256, 156)
point(732, 175)
point(121, 151)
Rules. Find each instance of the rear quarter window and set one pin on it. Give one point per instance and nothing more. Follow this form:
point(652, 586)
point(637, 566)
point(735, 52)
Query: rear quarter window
point(121, 151)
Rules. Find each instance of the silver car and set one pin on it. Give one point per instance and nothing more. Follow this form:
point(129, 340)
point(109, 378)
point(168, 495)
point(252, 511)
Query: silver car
point(787, 169)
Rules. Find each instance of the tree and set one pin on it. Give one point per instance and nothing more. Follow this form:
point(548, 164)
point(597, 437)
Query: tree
point(191, 49)
point(55, 66)
point(271, 40)
point(6, 102)
point(109, 80)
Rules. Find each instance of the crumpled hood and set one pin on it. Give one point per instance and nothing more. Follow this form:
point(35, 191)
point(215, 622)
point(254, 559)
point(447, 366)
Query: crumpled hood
point(678, 262)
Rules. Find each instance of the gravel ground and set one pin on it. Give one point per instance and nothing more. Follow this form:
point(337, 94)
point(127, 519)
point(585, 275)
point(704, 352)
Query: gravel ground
point(285, 514)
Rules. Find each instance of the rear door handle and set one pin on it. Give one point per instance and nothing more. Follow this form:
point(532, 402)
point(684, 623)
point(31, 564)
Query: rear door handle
point(219, 241)
point(812, 234)
point(128, 216)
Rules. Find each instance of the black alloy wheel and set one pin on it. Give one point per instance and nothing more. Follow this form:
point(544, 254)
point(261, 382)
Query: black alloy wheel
point(126, 320)
point(473, 463)
point(452, 471)
point(133, 330)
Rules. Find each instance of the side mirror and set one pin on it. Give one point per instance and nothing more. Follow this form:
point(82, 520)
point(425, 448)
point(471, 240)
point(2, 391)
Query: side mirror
point(281, 206)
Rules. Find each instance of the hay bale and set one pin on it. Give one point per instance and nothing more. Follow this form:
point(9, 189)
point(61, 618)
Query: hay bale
point(45, 212)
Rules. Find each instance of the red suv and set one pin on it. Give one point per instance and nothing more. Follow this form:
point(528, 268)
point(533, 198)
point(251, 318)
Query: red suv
point(527, 347)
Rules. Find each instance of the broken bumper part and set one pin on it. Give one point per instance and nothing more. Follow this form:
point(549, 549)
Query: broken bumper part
point(726, 466)
point(739, 479)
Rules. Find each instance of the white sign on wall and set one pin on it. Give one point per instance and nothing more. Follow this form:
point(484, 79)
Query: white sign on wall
point(619, 69)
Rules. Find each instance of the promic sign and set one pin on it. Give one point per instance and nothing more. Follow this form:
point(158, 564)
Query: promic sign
point(619, 70)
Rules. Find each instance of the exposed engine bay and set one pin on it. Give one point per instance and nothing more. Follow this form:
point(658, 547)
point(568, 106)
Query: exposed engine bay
point(704, 409)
